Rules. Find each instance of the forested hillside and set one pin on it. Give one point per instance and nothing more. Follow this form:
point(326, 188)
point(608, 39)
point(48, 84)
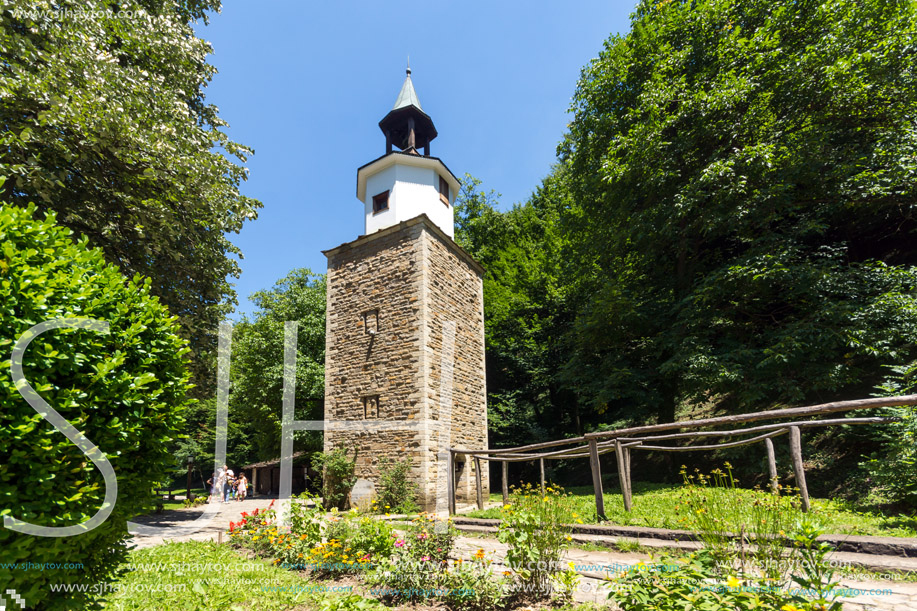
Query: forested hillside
point(729, 227)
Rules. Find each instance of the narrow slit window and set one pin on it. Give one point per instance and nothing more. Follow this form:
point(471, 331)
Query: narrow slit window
point(443, 190)
point(371, 322)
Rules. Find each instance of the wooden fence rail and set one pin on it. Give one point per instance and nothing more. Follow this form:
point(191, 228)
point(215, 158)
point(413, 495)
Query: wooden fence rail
point(622, 441)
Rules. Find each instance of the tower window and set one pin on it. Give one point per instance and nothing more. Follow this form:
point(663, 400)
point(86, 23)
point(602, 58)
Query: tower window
point(371, 407)
point(371, 322)
point(443, 190)
point(380, 202)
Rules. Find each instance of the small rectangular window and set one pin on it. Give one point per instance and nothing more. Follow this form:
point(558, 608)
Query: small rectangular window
point(371, 322)
point(371, 407)
point(443, 190)
point(380, 202)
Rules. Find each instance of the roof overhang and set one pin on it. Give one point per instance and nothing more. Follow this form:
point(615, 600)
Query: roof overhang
point(398, 158)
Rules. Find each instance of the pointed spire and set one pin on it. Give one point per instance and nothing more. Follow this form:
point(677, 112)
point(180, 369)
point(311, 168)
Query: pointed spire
point(407, 96)
point(407, 126)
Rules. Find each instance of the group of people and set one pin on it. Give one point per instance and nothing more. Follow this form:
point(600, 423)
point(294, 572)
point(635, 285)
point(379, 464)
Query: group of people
point(225, 486)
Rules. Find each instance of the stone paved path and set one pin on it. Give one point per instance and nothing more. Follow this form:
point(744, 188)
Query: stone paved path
point(182, 518)
point(898, 595)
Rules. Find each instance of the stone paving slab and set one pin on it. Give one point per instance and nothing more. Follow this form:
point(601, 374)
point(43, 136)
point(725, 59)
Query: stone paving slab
point(885, 546)
point(209, 530)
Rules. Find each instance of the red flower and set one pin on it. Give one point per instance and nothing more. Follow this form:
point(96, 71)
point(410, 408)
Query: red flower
point(232, 526)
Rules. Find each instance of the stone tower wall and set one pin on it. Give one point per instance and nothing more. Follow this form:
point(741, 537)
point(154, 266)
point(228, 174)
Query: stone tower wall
point(405, 281)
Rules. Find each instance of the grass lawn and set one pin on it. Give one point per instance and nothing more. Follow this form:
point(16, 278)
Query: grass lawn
point(205, 575)
point(655, 505)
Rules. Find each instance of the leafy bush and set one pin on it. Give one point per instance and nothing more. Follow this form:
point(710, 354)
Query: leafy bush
point(428, 537)
point(472, 586)
point(351, 602)
point(338, 477)
point(254, 531)
point(350, 542)
point(700, 581)
point(748, 530)
point(893, 471)
point(396, 491)
point(197, 502)
point(535, 527)
point(463, 585)
point(124, 390)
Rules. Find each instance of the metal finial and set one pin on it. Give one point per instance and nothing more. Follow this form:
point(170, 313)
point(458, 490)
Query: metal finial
point(409, 65)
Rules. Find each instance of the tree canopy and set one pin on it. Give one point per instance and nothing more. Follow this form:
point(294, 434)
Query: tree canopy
point(744, 176)
point(256, 396)
point(103, 120)
point(729, 225)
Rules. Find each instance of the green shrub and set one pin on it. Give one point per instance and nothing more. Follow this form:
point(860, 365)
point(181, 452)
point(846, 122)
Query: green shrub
point(466, 585)
point(396, 492)
point(748, 530)
point(893, 471)
point(700, 581)
point(351, 602)
point(337, 477)
point(472, 586)
point(535, 526)
point(428, 537)
point(124, 390)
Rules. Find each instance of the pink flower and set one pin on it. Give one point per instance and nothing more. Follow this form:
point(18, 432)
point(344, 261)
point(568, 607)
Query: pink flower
point(425, 558)
point(422, 536)
point(399, 543)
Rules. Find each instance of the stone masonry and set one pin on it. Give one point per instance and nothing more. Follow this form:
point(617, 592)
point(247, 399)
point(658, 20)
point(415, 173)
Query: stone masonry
point(391, 295)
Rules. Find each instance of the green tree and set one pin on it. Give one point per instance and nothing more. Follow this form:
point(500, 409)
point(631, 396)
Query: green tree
point(744, 178)
point(526, 311)
point(257, 361)
point(103, 120)
point(124, 390)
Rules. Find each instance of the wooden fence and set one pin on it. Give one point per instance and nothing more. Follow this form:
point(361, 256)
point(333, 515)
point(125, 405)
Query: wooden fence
point(623, 441)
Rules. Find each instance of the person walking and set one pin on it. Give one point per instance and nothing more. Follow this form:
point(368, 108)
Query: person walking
point(242, 487)
point(230, 482)
point(222, 486)
point(212, 485)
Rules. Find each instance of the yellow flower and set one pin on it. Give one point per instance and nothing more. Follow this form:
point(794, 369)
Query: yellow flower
point(732, 582)
point(789, 607)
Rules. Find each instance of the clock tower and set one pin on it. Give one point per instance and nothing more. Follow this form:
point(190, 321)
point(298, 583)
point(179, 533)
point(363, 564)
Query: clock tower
point(404, 354)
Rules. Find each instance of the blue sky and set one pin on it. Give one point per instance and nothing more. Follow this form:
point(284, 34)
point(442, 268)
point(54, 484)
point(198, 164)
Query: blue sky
point(306, 83)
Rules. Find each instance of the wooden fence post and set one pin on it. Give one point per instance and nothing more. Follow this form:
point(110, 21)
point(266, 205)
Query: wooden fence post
point(771, 465)
point(622, 473)
point(541, 469)
point(479, 477)
point(596, 467)
point(796, 451)
point(505, 465)
point(450, 481)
